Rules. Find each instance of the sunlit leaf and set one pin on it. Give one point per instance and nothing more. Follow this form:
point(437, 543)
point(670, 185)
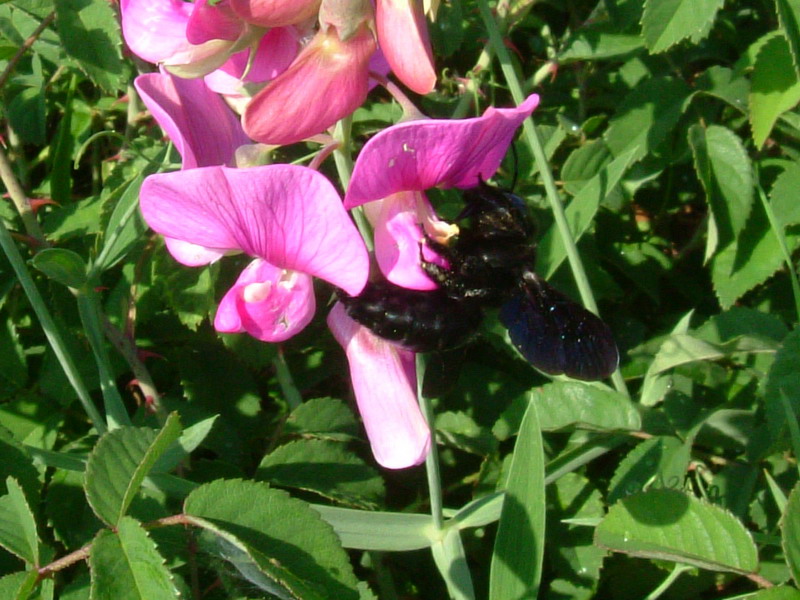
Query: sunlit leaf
point(666, 22)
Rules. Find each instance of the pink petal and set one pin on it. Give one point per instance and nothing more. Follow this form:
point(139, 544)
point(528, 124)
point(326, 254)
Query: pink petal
point(155, 30)
point(398, 242)
point(384, 382)
point(403, 37)
point(204, 130)
point(326, 82)
point(192, 255)
point(290, 216)
point(269, 303)
point(213, 22)
point(418, 155)
point(275, 13)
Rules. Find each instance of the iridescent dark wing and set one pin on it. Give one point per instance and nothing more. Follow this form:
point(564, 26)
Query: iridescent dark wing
point(557, 335)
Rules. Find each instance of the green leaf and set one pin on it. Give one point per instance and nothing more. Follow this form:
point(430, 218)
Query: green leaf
point(670, 525)
point(125, 226)
point(61, 265)
point(326, 468)
point(646, 116)
point(775, 87)
point(775, 593)
point(725, 84)
point(90, 34)
point(598, 43)
point(126, 565)
point(17, 525)
point(667, 22)
point(680, 349)
point(277, 529)
point(749, 260)
point(659, 462)
point(327, 418)
point(382, 531)
point(17, 463)
point(583, 163)
point(789, 18)
point(516, 568)
point(13, 363)
point(580, 212)
point(451, 561)
point(782, 380)
point(724, 169)
point(569, 403)
point(461, 431)
point(119, 463)
point(190, 439)
point(18, 586)
point(783, 195)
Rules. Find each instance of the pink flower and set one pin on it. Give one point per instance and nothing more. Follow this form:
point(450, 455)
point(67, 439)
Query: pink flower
point(403, 37)
point(203, 128)
point(384, 381)
point(327, 81)
point(289, 218)
point(275, 13)
point(398, 164)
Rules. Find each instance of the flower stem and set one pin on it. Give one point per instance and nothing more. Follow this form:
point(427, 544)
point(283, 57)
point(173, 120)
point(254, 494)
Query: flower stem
point(432, 460)
point(285, 380)
point(50, 330)
point(342, 156)
point(537, 147)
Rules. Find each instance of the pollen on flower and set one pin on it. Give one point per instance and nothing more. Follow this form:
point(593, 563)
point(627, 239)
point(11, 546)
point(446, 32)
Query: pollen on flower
point(256, 292)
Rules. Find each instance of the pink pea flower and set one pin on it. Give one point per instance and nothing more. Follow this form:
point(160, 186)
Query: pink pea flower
point(289, 218)
point(403, 37)
point(384, 380)
point(398, 164)
point(275, 13)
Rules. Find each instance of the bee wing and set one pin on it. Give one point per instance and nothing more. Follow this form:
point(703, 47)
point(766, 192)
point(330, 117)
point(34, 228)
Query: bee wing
point(556, 335)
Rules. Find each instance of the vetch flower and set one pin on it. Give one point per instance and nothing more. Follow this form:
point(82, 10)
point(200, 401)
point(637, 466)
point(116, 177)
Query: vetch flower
point(384, 382)
point(289, 218)
point(403, 38)
point(275, 13)
point(398, 164)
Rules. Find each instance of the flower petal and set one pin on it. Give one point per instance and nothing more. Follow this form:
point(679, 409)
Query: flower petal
point(269, 303)
point(192, 255)
point(275, 13)
point(213, 22)
point(205, 131)
point(418, 155)
point(403, 37)
point(290, 216)
point(384, 382)
point(155, 31)
point(326, 82)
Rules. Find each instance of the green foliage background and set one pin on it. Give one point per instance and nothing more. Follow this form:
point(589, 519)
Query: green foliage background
point(172, 462)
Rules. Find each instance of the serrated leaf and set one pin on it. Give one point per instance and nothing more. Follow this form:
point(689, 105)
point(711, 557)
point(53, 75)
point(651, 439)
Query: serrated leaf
point(90, 34)
point(326, 468)
point(516, 568)
point(382, 531)
point(725, 84)
point(782, 380)
point(659, 462)
point(17, 463)
point(119, 463)
point(667, 22)
point(780, 592)
point(783, 195)
point(724, 169)
point(670, 525)
point(789, 18)
point(749, 260)
point(61, 265)
point(566, 403)
point(646, 116)
point(126, 565)
point(327, 418)
point(775, 87)
point(277, 529)
point(18, 532)
point(580, 212)
point(598, 43)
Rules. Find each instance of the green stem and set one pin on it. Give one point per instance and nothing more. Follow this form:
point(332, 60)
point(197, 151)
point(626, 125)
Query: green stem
point(49, 327)
point(285, 380)
point(116, 413)
point(432, 460)
point(20, 200)
point(677, 571)
point(778, 231)
point(534, 141)
point(342, 156)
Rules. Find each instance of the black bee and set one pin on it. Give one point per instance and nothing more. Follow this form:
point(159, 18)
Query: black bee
point(490, 264)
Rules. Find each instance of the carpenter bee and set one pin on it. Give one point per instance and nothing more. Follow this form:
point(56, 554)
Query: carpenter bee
point(490, 265)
